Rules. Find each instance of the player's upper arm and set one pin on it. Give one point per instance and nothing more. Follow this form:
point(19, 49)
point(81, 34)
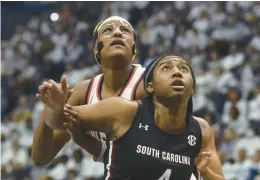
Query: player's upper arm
point(107, 115)
point(140, 92)
point(208, 143)
point(78, 95)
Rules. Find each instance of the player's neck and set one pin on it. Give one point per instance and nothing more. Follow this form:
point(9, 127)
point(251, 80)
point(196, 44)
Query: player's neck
point(115, 79)
point(171, 118)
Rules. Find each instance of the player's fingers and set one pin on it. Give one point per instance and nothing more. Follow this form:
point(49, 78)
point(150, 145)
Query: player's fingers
point(48, 85)
point(66, 117)
point(71, 119)
point(206, 154)
point(66, 127)
point(64, 85)
point(204, 163)
point(69, 107)
point(70, 133)
point(71, 112)
point(54, 84)
point(39, 96)
point(69, 94)
point(71, 123)
point(41, 88)
point(45, 98)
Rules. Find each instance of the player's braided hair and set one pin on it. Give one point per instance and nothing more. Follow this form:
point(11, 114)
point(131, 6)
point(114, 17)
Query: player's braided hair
point(148, 76)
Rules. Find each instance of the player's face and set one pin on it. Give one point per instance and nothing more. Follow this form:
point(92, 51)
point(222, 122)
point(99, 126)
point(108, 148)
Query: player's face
point(117, 37)
point(172, 77)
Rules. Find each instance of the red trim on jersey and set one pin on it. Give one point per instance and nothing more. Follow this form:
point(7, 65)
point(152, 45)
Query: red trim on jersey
point(112, 158)
point(128, 81)
point(135, 86)
point(139, 101)
point(90, 90)
point(98, 87)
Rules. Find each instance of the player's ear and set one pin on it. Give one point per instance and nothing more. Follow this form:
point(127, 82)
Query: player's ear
point(149, 87)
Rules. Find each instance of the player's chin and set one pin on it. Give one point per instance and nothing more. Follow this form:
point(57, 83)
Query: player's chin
point(175, 93)
point(119, 54)
point(118, 51)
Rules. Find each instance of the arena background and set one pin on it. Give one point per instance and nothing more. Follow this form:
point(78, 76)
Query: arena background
point(43, 40)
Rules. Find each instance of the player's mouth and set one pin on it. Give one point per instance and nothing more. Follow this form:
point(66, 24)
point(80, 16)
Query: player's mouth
point(177, 84)
point(117, 42)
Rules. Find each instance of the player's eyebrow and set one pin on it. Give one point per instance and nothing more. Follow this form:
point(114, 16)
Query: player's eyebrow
point(164, 62)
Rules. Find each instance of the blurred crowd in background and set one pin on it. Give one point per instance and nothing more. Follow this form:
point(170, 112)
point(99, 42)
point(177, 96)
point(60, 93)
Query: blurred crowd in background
point(221, 40)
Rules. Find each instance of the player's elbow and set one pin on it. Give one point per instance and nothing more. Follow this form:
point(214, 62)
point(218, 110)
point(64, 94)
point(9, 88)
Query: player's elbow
point(40, 163)
point(40, 160)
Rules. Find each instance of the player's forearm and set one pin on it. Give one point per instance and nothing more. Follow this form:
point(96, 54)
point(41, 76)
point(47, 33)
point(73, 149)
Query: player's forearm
point(42, 147)
point(211, 175)
point(91, 145)
point(56, 116)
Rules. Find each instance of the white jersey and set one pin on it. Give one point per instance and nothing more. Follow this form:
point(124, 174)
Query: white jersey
point(128, 91)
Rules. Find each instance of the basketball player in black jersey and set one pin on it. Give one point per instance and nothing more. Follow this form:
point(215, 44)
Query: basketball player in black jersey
point(156, 138)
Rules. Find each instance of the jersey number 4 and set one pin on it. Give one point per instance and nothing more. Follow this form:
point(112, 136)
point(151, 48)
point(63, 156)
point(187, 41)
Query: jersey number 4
point(166, 175)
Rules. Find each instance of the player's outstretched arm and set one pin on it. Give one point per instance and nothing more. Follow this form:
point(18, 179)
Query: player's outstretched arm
point(46, 141)
point(213, 170)
point(108, 115)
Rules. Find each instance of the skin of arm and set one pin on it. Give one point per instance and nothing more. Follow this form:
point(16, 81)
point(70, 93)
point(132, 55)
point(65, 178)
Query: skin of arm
point(213, 170)
point(112, 116)
point(48, 142)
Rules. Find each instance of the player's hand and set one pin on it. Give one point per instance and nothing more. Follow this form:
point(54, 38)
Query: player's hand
point(52, 94)
point(203, 160)
point(72, 125)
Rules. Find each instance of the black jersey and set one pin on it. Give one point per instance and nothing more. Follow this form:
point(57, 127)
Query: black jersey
point(147, 152)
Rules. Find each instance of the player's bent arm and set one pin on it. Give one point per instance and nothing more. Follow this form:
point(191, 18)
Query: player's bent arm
point(213, 170)
point(48, 142)
point(108, 116)
point(92, 145)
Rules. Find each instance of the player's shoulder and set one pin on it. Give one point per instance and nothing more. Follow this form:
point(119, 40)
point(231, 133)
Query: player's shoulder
point(205, 128)
point(202, 122)
point(79, 92)
point(81, 85)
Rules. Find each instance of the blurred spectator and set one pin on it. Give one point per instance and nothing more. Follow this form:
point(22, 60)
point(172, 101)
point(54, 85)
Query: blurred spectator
point(234, 99)
point(203, 23)
point(254, 172)
point(234, 59)
point(235, 121)
point(242, 165)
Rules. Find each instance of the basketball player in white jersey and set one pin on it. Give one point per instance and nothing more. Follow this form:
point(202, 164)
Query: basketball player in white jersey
point(114, 51)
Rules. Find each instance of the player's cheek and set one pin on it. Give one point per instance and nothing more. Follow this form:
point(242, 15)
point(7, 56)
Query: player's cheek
point(129, 39)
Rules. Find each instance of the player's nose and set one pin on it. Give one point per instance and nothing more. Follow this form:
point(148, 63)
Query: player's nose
point(117, 32)
point(176, 73)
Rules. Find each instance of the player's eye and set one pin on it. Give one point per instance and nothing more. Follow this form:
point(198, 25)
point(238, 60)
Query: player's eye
point(125, 29)
point(166, 68)
point(184, 68)
point(108, 29)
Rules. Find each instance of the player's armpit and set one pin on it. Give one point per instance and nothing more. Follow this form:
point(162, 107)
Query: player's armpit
point(107, 114)
point(213, 171)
